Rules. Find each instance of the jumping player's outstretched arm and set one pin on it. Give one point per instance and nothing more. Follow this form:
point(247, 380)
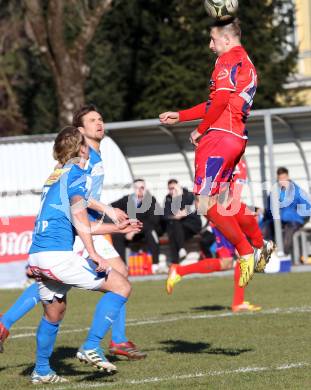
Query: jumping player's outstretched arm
point(200, 111)
point(191, 114)
point(209, 112)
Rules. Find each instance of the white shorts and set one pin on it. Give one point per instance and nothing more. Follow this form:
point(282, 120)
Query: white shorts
point(64, 269)
point(101, 244)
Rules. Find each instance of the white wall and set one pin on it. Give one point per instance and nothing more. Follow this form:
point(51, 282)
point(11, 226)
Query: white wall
point(25, 166)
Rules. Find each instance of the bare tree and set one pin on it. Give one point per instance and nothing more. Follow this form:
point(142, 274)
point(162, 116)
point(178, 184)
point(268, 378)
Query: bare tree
point(12, 121)
point(46, 27)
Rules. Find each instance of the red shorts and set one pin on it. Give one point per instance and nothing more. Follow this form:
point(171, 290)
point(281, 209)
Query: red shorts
point(216, 156)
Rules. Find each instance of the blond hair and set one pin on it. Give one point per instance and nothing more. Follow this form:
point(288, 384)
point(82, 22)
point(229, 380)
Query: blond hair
point(233, 28)
point(67, 144)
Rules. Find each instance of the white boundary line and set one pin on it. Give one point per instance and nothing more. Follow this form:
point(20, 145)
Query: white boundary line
point(152, 321)
point(242, 370)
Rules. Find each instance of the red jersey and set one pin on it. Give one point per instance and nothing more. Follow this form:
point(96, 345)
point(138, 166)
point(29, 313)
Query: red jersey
point(234, 72)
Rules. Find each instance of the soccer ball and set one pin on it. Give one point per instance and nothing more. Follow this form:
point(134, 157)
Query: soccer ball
point(221, 9)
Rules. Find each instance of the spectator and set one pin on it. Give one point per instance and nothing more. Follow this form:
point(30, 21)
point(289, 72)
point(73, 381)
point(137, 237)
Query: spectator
point(182, 222)
point(143, 206)
point(207, 242)
point(295, 206)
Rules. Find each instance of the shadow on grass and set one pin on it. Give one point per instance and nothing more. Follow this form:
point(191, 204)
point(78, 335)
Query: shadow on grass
point(63, 366)
point(182, 346)
point(98, 375)
point(9, 367)
point(168, 313)
point(211, 308)
point(200, 308)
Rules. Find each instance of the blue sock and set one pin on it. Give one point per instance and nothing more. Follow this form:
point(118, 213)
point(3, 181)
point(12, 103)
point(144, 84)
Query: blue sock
point(46, 336)
point(29, 299)
point(106, 312)
point(118, 327)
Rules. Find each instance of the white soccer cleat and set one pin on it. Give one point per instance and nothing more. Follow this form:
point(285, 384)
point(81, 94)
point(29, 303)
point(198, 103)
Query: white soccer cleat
point(96, 358)
point(52, 377)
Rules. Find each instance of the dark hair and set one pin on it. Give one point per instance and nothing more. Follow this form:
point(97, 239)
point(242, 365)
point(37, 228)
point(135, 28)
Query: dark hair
point(77, 119)
point(281, 171)
point(136, 180)
point(67, 144)
point(172, 181)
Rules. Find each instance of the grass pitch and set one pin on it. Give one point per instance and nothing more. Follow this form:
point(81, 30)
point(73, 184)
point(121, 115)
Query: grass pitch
point(192, 338)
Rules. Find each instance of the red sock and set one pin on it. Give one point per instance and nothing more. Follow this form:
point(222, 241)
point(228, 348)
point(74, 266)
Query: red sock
point(230, 228)
point(204, 266)
point(238, 292)
point(249, 226)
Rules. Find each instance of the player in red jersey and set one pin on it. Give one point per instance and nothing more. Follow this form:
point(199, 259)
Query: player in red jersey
point(220, 141)
point(225, 253)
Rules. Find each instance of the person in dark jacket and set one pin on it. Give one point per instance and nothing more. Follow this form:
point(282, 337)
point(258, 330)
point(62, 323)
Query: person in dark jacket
point(295, 209)
point(143, 206)
point(182, 222)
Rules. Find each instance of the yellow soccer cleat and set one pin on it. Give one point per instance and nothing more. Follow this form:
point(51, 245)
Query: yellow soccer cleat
point(264, 255)
point(172, 278)
point(245, 306)
point(247, 269)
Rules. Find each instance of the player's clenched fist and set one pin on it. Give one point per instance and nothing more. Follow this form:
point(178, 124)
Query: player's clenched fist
point(169, 117)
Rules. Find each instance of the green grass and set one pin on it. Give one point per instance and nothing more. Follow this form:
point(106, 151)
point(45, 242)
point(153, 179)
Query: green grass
point(192, 340)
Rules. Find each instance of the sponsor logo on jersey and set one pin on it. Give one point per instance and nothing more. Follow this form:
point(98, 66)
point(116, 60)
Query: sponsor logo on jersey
point(55, 176)
point(223, 74)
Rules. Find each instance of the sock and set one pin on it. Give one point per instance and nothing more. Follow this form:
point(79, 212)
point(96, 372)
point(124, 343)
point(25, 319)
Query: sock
point(229, 227)
point(118, 327)
point(106, 312)
point(46, 337)
point(249, 226)
point(238, 292)
point(29, 299)
point(204, 266)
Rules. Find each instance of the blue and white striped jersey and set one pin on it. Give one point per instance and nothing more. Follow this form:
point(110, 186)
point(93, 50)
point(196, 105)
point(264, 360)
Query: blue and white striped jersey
point(96, 171)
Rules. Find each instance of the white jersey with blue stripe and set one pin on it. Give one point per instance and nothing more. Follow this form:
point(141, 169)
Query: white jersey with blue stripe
point(96, 171)
point(53, 229)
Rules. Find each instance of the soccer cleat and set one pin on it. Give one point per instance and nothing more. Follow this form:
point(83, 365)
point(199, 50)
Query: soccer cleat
point(4, 333)
point(127, 349)
point(96, 358)
point(245, 306)
point(246, 269)
point(52, 377)
point(264, 255)
point(172, 278)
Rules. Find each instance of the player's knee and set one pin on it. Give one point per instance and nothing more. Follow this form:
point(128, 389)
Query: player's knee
point(123, 288)
point(55, 311)
point(118, 284)
point(55, 316)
